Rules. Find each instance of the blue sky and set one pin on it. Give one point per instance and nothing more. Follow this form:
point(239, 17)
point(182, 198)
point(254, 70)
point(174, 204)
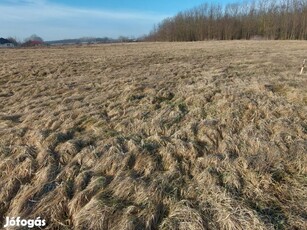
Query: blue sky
point(55, 19)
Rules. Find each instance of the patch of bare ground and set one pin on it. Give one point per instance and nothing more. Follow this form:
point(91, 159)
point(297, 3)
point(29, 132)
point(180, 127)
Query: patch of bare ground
point(203, 135)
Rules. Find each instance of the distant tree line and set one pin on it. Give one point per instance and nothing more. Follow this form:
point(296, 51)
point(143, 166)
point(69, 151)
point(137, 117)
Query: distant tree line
point(268, 19)
point(33, 40)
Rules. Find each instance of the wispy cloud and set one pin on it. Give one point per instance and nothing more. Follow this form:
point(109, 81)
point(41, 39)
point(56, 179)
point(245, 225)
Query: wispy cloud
point(25, 1)
point(41, 9)
point(42, 14)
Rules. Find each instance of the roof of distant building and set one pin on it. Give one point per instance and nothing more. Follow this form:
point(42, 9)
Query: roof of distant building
point(4, 41)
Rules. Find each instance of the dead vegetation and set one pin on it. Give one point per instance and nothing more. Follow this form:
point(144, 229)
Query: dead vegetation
point(204, 135)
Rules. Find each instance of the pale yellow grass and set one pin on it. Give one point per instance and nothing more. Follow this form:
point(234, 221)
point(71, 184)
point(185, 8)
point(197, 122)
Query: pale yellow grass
point(204, 135)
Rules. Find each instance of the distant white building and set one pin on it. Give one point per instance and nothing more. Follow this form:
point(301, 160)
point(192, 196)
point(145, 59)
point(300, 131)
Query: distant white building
point(4, 43)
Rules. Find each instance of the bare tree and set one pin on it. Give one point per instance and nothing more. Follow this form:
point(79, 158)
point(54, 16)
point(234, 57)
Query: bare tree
point(13, 40)
point(282, 19)
point(34, 37)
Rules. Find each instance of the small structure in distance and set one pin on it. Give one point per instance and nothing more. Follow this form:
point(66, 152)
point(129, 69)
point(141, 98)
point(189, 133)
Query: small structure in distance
point(33, 41)
point(5, 43)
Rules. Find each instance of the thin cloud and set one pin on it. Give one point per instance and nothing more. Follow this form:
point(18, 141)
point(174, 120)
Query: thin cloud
point(33, 10)
point(21, 18)
point(25, 1)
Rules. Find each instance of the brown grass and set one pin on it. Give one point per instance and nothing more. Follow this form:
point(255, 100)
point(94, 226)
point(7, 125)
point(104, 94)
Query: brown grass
point(203, 135)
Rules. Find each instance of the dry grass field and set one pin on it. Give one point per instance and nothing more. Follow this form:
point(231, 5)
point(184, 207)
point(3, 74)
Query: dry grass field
point(203, 135)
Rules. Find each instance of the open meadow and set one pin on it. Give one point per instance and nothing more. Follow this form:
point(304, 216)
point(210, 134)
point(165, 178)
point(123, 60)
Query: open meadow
point(199, 135)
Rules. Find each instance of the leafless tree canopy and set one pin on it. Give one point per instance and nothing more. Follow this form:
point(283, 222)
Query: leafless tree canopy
point(34, 37)
point(266, 19)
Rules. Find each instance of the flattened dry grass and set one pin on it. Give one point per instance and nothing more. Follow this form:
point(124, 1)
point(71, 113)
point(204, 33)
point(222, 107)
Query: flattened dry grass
point(203, 135)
